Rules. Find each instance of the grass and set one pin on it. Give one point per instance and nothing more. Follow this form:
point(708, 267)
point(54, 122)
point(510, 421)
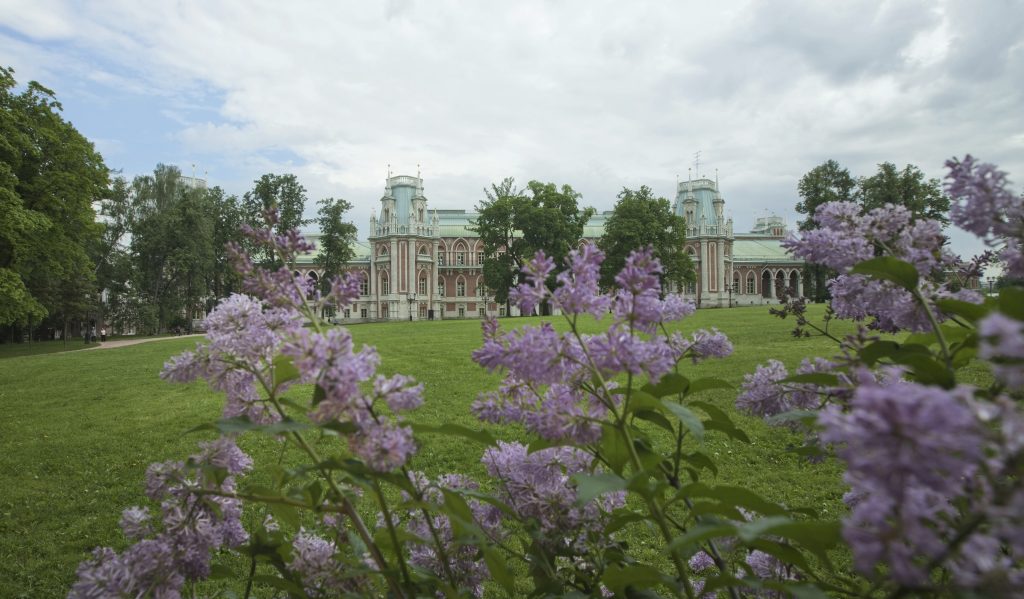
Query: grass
point(80, 428)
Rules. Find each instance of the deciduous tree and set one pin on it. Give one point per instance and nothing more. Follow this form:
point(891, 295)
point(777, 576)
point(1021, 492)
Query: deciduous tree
point(638, 220)
point(336, 238)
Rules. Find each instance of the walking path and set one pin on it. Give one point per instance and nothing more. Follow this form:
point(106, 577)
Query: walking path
point(126, 342)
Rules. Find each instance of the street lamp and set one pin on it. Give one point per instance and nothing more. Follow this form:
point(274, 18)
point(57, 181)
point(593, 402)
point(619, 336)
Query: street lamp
point(412, 300)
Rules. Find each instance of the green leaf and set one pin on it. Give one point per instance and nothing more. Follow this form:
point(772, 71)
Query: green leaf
point(221, 572)
point(873, 352)
point(701, 460)
point(284, 370)
point(970, 312)
point(739, 497)
point(672, 383)
point(614, 448)
point(318, 395)
point(706, 384)
point(280, 584)
point(241, 424)
point(589, 486)
point(927, 370)
point(480, 436)
point(701, 532)
point(656, 418)
point(822, 379)
point(617, 578)
point(720, 421)
point(286, 514)
point(640, 400)
point(689, 419)
point(499, 570)
point(806, 417)
point(1011, 302)
point(890, 269)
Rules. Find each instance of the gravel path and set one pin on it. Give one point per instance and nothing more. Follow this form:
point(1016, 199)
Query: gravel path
point(127, 342)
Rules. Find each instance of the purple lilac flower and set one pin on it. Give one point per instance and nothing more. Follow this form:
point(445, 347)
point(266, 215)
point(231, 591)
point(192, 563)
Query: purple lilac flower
point(539, 488)
point(135, 523)
point(845, 237)
point(400, 392)
point(382, 446)
point(675, 307)
point(986, 207)
point(530, 353)
point(637, 301)
point(314, 561)
point(530, 294)
point(145, 569)
point(761, 394)
point(708, 344)
point(346, 289)
point(908, 449)
point(1002, 344)
point(578, 289)
point(618, 350)
point(464, 560)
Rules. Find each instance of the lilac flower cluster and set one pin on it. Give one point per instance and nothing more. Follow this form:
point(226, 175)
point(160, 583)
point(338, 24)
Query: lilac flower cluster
point(193, 525)
point(763, 393)
point(1002, 344)
point(539, 488)
point(986, 207)
point(463, 560)
point(315, 561)
point(909, 450)
point(845, 237)
point(548, 374)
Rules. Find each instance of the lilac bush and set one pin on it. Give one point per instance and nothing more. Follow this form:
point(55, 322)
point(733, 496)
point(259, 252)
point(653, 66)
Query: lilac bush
point(618, 431)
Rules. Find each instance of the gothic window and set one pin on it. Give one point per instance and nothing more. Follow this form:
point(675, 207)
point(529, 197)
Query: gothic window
point(751, 284)
point(479, 257)
point(440, 259)
point(423, 285)
point(440, 286)
point(460, 288)
point(423, 250)
point(364, 285)
point(421, 214)
point(736, 282)
point(460, 258)
point(385, 286)
point(691, 287)
point(383, 310)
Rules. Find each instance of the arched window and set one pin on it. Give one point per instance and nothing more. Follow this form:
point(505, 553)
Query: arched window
point(385, 285)
point(460, 287)
point(751, 284)
point(766, 284)
point(364, 284)
point(793, 283)
point(423, 285)
point(780, 283)
point(736, 282)
point(314, 281)
point(383, 250)
point(440, 286)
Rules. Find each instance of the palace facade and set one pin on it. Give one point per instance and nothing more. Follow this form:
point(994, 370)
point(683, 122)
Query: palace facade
point(420, 263)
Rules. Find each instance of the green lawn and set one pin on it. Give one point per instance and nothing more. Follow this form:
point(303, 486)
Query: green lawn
point(79, 429)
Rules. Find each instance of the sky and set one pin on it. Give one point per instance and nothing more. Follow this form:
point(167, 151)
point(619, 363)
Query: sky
point(596, 94)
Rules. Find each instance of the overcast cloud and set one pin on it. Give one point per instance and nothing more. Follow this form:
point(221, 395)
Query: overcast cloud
point(599, 95)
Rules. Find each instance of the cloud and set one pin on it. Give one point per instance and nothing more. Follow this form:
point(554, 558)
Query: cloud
point(595, 94)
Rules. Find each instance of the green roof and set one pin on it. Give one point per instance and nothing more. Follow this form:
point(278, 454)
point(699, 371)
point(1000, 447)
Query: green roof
point(760, 249)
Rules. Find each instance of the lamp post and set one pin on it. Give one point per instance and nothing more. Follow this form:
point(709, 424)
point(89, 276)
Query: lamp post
point(412, 300)
point(991, 280)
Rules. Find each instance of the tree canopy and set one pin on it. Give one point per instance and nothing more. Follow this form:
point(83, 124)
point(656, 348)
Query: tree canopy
point(638, 220)
point(514, 224)
point(50, 175)
point(336, 238)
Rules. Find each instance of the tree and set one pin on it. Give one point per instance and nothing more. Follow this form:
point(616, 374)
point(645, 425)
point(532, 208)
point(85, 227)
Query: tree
point(514, 226)
point(907, 188)
point(281, 192)
point(171, 268)
point(827, 182)
point(50, 175)
point(336, 239)
point(504, 249)
point(639, 220)
point(227, 218)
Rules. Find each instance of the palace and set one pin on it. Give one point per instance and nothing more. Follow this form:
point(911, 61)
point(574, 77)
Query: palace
point(420, 263)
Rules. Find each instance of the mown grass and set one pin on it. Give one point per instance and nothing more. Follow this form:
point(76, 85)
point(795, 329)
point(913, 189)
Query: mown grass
point(79, 429)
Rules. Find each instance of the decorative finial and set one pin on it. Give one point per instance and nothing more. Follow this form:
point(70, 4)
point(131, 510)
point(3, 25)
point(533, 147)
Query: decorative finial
point(389, 170)
point(417, 170)
point(716, 178)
